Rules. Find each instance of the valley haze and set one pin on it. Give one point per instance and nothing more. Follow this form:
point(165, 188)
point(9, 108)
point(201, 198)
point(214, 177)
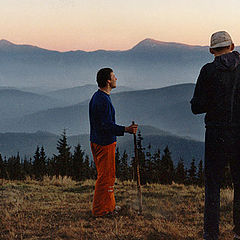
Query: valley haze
point(149, 64)
point(43, 92)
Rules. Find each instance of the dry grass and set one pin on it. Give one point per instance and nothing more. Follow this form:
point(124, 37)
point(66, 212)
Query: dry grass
point(61, 209)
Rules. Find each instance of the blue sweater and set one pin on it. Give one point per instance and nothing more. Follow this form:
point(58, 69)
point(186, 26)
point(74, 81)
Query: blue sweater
point(103, 129)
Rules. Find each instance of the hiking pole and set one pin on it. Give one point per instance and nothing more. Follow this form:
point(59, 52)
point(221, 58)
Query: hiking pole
point(139, 191)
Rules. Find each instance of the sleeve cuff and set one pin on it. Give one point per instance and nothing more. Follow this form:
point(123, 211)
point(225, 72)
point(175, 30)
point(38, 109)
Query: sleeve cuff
point(120, 130)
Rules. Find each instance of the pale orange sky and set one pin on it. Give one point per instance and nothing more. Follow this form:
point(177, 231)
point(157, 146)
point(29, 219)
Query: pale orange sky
point(88, 25)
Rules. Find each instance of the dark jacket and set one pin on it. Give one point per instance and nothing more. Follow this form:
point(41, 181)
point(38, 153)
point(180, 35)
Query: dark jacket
point(103, 129)
point(217, 92)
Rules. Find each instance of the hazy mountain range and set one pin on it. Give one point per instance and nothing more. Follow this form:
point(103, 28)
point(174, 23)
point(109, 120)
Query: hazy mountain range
point(165, 108)
point(79, 94)
point(42, 92)
point(26, 144)
point(15, 103)
point(149, 64)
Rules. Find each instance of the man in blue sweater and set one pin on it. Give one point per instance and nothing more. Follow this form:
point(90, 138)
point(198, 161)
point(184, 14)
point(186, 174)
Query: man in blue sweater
point(103, 132)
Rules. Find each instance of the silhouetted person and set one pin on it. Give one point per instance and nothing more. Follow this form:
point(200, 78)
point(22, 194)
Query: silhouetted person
point(217, 93)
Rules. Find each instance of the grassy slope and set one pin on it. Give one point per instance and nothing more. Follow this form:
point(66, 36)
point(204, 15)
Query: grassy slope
point(61, 209)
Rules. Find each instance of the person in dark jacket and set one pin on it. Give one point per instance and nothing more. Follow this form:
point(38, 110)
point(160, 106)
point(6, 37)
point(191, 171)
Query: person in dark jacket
point(103, 132)
point(217, 93)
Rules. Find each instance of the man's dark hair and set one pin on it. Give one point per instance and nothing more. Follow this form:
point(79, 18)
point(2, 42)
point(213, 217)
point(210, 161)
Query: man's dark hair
point(103, 75)
point(219, 49)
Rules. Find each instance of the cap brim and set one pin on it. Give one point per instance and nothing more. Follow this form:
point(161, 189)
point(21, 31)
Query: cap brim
point(222, 44)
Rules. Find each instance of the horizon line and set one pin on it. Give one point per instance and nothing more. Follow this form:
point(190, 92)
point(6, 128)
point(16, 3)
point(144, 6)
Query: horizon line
point(110, 50)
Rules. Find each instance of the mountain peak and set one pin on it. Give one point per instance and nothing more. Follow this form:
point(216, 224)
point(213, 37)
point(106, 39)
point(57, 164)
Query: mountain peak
point(5, 43)
point(9, 46)
point(149, 43)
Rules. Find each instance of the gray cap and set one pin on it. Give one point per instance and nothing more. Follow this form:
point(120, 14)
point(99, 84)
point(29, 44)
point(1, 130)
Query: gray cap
point(220, 39)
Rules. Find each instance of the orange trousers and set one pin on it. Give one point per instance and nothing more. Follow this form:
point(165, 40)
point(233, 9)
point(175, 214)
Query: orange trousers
point(104, 158)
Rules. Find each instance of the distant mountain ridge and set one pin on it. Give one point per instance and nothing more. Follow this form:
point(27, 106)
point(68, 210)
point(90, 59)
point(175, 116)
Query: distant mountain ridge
point(15, 103)
point(149, 64)
point(79, 94)
point(7, 45)
point(148, 42)
point(153, 44)
point(165, 108)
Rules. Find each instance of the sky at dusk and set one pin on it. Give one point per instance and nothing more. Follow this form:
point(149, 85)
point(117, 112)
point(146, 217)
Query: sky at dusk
point(89, 25)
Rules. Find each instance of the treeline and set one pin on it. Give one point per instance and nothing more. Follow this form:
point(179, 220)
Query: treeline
point(154, 167)
point(159, 168)
point(76, 165)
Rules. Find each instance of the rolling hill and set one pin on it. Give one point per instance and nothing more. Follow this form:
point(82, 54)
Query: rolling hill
point(15, 103)
point(165, 108)
point(79, 94)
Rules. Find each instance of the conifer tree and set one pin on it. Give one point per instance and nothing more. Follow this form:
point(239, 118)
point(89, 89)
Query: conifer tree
point(200, 174)
point(37, 164)
point(192, 172)
point(157, 166)
point(132, 169)
point(51, 166)
point(78, 163)
point(2, 168)
point(149, 165)
point(142, 159)
point(86, 169)
point(19, 167)
point(124, 169)
point(5, 162)
point(14, 168)
point(63, 158)
point(167, 167)
point(43, 160)
point(180, 173)
point(27, 168)
point(31, 166)
point(117, 163)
